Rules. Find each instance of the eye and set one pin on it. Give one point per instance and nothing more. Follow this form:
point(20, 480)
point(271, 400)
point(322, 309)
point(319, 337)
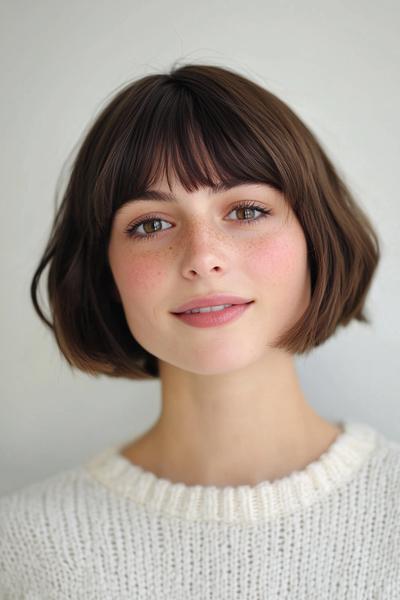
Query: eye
point(249, 207)
point(246, 207)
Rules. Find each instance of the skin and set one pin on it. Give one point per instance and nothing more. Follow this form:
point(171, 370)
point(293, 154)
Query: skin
point(233, 411)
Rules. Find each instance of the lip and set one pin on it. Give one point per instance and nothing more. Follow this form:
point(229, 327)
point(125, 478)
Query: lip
point(214, 318)
point(211, 300)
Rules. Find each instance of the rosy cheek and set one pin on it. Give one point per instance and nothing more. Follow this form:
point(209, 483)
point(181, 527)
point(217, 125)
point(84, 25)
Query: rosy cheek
point(276, 259)
point(143, 276)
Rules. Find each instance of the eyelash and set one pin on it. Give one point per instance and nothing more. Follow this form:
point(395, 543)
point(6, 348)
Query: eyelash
point(130, 231)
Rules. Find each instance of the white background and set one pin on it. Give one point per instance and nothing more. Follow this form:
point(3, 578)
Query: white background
point(336, 64)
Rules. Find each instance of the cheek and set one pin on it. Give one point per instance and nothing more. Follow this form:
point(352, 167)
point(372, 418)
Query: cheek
point(280, 270)
point(137, 279)
point(280, 262)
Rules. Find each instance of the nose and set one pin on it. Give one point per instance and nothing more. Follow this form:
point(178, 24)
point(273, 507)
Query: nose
point(203, 253)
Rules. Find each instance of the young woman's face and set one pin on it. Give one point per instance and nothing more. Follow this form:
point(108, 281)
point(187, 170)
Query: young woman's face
point(206, 244)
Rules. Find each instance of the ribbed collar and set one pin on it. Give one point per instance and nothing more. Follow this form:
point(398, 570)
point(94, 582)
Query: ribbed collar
point(244, 503)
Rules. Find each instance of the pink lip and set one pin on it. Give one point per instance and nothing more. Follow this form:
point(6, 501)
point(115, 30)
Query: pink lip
point(214, 318)
point(211, 300)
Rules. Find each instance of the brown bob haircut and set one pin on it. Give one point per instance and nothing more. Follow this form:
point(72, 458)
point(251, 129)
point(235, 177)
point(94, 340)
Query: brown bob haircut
point(154, 126)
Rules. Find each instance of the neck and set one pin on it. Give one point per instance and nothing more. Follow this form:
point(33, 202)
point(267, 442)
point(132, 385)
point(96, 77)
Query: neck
point(232, 429)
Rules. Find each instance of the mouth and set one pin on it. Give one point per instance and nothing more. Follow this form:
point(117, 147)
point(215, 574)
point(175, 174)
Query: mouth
point(208, 309)
point(214, 318)
point(212, 301)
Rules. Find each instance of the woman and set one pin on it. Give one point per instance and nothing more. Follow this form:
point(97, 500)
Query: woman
point(198, 190)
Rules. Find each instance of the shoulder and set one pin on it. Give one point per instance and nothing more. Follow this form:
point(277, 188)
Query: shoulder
point(41, 499)
point(381, 473)
point(379, 488)
point(384, 505)
point(40, 528)
point(34, 506)
point(57, 500)
point(386, 461)
point(372, 493)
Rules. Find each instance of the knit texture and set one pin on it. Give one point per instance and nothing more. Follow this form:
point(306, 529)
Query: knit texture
point(107, 529)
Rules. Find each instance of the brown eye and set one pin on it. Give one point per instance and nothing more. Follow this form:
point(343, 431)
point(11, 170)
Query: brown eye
point(131, 231)
point(247, 210)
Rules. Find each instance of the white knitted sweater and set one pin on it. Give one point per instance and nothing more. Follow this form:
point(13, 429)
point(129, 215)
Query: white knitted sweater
point(107, 529)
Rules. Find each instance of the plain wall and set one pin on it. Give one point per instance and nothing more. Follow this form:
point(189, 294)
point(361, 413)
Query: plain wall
point(335, 63)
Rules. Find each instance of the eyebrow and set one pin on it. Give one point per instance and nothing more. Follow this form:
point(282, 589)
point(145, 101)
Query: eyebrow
point(168, 197)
